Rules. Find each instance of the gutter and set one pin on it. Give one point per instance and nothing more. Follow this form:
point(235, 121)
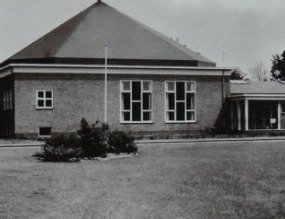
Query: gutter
point(116, 67)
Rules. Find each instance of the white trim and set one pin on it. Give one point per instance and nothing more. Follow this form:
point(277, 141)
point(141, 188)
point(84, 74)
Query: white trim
point(139, 101)
point(166, 92)
point(116, 69)
point(44, 98)
point(255, 95)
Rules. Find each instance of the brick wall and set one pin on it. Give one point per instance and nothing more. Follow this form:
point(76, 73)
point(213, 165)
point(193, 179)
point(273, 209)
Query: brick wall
point(77, 96)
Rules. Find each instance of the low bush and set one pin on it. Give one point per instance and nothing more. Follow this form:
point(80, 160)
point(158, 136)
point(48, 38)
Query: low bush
point(91, 141)
point(61, 148)
point(94, 139)
point(121, 142)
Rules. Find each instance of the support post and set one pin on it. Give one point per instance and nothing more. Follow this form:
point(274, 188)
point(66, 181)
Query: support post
point(246, 114)
point(239, 115)
point(232, 116)
point(279, 115)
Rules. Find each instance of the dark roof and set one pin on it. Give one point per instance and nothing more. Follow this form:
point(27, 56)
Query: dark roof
point(250, 87)
point(83, 38)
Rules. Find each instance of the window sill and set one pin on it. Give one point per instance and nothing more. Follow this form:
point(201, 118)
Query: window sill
point(45, 108)
point(180, 122)
point(136, 123)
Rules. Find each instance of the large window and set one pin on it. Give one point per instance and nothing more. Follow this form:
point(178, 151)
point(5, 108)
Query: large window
point(44, 99)
point(8, 100)
point(180, 101)
point(136, 101)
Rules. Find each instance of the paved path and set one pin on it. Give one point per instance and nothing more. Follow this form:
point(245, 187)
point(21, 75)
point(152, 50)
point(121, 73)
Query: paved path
point(32, 143)
point(193, 140)
point(19, 143)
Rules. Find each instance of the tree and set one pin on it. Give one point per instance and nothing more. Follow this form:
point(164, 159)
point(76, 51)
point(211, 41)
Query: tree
point(259, 72)
point(237, 74)
point(278, 66)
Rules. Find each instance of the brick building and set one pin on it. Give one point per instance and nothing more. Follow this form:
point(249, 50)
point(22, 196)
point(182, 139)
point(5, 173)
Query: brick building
point(154, 84)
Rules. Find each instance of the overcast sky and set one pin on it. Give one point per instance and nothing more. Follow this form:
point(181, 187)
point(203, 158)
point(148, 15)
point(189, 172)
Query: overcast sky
point(235, 33)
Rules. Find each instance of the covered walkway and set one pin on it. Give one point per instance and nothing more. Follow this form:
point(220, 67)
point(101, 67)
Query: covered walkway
point(257, 106)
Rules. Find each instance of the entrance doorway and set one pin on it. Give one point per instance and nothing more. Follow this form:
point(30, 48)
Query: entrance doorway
point(263, 115)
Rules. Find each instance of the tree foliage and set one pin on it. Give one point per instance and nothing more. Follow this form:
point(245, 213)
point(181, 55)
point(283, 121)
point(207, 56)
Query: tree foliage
point(278, 66)
point(259, 72)
point(237, 74)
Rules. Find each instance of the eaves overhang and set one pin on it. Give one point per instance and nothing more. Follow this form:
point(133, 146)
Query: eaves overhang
point(264, 96)
point(115, 69)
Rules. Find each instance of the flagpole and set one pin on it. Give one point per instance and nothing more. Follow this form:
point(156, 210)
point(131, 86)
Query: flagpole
point(106, 84)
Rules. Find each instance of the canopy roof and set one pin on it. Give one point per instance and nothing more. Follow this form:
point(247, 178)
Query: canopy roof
point(250, 87)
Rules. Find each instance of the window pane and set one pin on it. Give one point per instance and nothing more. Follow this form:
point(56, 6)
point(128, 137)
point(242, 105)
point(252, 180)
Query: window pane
point(170, 86)
point(126, 116)
point(190, 101)
point(180, 111)
point(190, 116)
point(190, 86)
point(170, 116)
point(48, 103)
point(136, 90)
point(180, 91)
point(48, 94)
point(147, 116)
point(126, 85)
point(171, 101)
point(40, 103)
point(146, 101)
point(136, 111)
point(146, 86)
point(40, 94)
point(126, 101)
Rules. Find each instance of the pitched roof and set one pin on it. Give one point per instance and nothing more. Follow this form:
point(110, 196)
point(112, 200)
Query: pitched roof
point(250, 87)
point(84, 36)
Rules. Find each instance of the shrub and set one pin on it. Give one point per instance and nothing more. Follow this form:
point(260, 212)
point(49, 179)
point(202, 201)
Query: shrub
point(94, 139)
point(121, 142)
point(61, 148)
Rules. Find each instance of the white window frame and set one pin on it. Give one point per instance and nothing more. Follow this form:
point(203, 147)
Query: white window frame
point(140, 101)
point(185, 101)
point(44, 98)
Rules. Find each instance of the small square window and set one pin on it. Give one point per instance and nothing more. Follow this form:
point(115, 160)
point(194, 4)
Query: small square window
point(45, 131)
point(44, 99)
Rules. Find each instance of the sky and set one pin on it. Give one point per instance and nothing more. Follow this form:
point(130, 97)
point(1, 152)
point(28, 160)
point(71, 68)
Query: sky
point(232, 33)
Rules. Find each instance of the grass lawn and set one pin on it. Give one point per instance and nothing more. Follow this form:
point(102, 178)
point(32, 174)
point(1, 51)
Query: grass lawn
point(217, 180)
